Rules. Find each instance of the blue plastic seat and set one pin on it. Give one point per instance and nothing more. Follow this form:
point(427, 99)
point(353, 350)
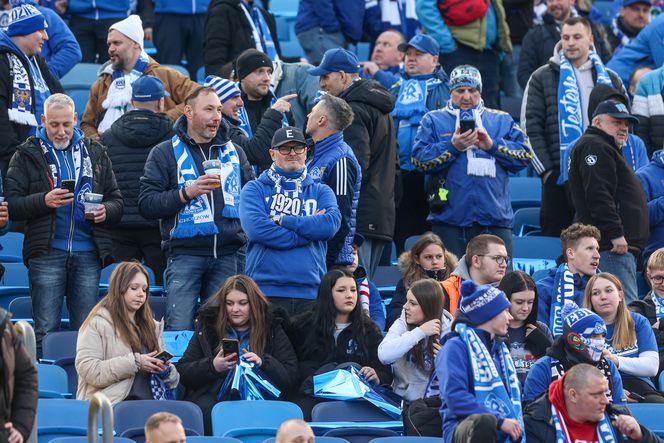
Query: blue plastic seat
point(11, 247)
point(251, 435)
point(386, 276)
point(316, 440)
point(53, 382)
point(158, 306)
point(59, 348)
point(81, 76)
point(360, 435)
point(21, 309)
point(242, 414)
point(130, 416)
point(357, 411)
point(532, 253)
point(649, 415)
point(16, 274)
point(405, 439)
point(9, 293)
point(525, 192)
point(80, 97)
point(179, 68)
point(410, 241)
point(85, 440)
point(59, 417)
point(176, 342)
point(206, 439)
point(106, 272)
point(526, 220)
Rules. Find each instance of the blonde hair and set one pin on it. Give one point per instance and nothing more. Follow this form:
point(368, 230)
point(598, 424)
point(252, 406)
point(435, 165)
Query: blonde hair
point(656, 260)
point(624, 335)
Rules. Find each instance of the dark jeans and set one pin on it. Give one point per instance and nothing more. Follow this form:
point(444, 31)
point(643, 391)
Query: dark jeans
point(142, 245)
point(57, 274)
point(292, 306)
point(413, 209)
point(177, 36)
point(455, 238)
point(91, 36)
point(488, 63)
point(476, 428)
point(189, 277)
point(557, 211)
point(634, 384)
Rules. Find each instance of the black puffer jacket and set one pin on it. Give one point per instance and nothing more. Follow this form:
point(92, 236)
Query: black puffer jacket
point(28, 182)
point(129, 141)
point(159, 197)
point(538, 43)
point(646, 307)
point(372, 137)
point(13, 134)
point(202, 382)
point(228, 33)
point(539, 117)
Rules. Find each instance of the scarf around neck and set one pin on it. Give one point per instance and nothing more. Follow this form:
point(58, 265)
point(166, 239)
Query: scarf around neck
point(480, 163)
point(659, 305)
point(260, 31)
point(411, 104)
point(245, 125)
point(563, 290)
point(23, 109)
point(118, 98)
point(570, 117)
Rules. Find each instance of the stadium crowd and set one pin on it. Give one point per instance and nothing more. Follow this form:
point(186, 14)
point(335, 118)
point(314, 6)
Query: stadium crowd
point(265, 188)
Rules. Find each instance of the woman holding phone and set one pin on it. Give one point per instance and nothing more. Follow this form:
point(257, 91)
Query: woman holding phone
point(235, 322)
point(120, 341)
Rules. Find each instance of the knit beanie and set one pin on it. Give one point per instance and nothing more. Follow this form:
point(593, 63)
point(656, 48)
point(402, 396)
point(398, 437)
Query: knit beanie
point(224, 88)
point(481, 303)
point(581, 321)
point(131, 27)
point(25, 19)
point(249, 61)
point(465, 76)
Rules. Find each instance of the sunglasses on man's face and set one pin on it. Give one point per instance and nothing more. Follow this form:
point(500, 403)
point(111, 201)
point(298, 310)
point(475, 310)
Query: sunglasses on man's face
point(285, 150)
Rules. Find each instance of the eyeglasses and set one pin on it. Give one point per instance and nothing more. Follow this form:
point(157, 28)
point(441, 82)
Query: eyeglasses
point(657, 279)
point(500, 259)
point(285, 150)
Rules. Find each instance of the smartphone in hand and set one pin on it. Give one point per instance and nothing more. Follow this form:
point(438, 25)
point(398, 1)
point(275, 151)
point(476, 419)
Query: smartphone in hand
point(230, 346)
point(466, 125)
point(69, 185)
point(164, 356)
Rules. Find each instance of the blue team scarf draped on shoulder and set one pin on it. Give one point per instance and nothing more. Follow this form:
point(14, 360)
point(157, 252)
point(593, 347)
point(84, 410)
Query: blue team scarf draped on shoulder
point(659, 305)
point(411, 102)
point(260, 31)
point(605, 432)
point(244, 119)
point(489, 388)
point(563, 290)
point(570, 117)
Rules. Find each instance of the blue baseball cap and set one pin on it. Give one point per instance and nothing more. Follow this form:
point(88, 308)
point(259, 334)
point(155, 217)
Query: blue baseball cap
point(148, 88)
point(615, 110)
point(337, 60)
point(633, 2)
point(423, 43)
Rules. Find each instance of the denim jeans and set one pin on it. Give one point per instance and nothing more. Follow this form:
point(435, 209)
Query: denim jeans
point(370, 253)
point(456, 238)
point(58, 274)
point(623, 267)
point(189, 277)
point(316, 41)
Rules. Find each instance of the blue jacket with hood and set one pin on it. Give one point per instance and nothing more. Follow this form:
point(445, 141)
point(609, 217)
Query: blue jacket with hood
point(345, 16)
point(437, 97)
point(545, 293)
point(182, 7)
point(99, 9)
point(159, 196)
point(652, 179)
point(471, 199)
point(288, 259)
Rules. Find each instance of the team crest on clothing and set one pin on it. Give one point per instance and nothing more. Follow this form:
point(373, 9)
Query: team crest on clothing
point(316, 173)
point(412, 93)
point(494, 403)
point(591, 160)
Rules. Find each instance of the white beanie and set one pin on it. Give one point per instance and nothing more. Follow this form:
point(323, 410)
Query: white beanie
point(131, 27)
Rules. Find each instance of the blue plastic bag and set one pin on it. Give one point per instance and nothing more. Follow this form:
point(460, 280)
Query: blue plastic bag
point(247, 382)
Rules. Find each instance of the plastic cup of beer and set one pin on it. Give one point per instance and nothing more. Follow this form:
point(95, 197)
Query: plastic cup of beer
point(92, 202)
point(213, 167)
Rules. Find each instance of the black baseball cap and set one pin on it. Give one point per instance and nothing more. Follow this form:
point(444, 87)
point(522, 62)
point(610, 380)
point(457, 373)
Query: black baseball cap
point(615, 110)
point(287, 134)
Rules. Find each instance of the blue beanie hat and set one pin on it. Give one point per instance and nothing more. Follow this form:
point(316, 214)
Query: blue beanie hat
point(581, 321)
point(25, 19)
point(224, 88)
point(481, 303)
point(465, 76)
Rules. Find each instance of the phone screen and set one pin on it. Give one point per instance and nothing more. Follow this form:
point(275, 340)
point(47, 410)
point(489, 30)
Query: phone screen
point(69, 185)
point(466, 125)
point(230, 346)
point(164, 356)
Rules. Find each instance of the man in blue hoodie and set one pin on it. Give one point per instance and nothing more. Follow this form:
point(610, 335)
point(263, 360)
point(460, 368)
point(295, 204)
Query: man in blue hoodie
point(479, 388)
point(197, 204)
point(288, 218)
point(652, 179)
point(423, 87)
point(580, 259)
point(65, 244)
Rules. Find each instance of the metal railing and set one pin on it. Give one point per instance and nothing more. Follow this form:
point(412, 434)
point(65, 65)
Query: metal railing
point(100, 401)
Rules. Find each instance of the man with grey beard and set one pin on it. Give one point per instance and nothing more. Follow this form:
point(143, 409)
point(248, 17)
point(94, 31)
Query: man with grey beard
point(607, 193)
point(50, 185)
point(110, 95)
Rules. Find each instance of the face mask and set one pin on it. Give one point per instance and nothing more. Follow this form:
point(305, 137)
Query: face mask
point(436, 274)
point(594, 348)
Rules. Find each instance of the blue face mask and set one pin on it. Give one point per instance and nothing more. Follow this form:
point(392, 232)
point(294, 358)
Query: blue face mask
point(594, 348)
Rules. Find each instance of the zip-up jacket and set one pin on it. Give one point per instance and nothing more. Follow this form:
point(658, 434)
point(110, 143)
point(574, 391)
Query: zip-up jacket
point(159, 196)
point(183, 7)
point(334, 164)
point(300, 239)
point(345, 16)
point(472, 199)
point(652, 179)
point(99, 9)
point(28, 182)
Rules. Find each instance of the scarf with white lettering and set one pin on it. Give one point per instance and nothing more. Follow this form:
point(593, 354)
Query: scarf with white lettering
point(563, 287)
point(659, 305)
point(23, 110)
point(570, 118)
point(480, 162)
point(260, 31)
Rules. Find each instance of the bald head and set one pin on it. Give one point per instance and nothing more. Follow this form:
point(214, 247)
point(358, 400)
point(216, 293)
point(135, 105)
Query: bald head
point(294, 431)
point(164, 427)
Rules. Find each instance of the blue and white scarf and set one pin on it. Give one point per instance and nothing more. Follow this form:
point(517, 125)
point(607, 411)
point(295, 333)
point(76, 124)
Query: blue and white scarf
point(158, 387)
point(118, 98)
point(230, 180)
point(244, 119)
point(622, 38)
point(411, 103)
point(563, 290)
point(489, 388)
point(659, 305)
point(82, 173)
point(261, 33)
point(195, 219)
point(23, 110)
point(570, 117)
point(604, 428)
point(480, 162)
point(289, 187)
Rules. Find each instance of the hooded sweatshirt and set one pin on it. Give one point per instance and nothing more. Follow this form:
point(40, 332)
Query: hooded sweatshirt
point(586, 431)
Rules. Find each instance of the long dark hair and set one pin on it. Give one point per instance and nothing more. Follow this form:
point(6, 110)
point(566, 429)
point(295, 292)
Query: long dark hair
point(429, 294)
point(321, 338)
point(517, 281)
point(258, 310)
point(143, 334)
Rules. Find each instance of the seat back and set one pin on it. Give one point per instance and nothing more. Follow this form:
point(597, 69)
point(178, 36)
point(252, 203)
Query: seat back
point(525, 192)
point(53, 382)
point(206, 439)
point(16, 274)
point(59, 417)
point(252, 435)
point(11, 247)
point(316, 440)
point(405, 439)
point(59, 344)
point(532, 253)
point(526, 220)
point(360, 435)
point(81, 76)
point(133, 414)
point(347, 410)
point(649, 415)
point(228, 415)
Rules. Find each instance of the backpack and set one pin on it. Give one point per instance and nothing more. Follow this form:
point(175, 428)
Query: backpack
point(462, 12)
